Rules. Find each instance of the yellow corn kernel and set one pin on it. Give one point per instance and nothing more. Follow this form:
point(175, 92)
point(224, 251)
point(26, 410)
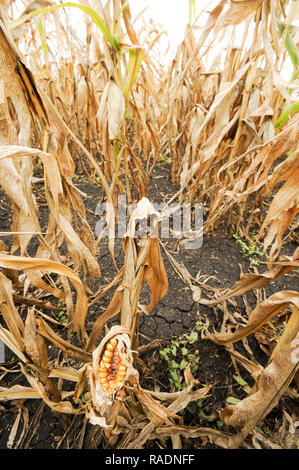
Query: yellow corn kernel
point(121, 371)
point(120, 377)
point(104, 364)
point(107, 355)
point(112, 384)
point(110, 347)
point(103, 373)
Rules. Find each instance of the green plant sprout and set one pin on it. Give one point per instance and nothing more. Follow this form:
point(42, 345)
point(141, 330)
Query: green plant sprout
point(178, 357)
point(180, 348)
point(249, 248)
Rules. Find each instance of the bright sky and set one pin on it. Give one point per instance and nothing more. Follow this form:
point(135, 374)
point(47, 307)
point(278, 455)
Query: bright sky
point(172, 15)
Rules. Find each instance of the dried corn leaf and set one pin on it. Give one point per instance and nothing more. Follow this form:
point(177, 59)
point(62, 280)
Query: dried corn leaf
point(9, 312)
point(116, 107)
point(66, 373)
point(69, 349)
point(55, 195)
point(156, 412)
point(281, 213)
point(112, 310)
point(156, 276)
point(8, 338)
point(14, 430)
point(238, 11)
point(257, 281)
point(179, 401)
point(17, 392)
point(60, 406)
point(218, 438)
point(30, 339)
point(272, 382)
point(259, 316)
point(35, 264)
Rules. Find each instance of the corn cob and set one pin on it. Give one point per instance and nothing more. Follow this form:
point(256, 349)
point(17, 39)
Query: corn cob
point(112, 369)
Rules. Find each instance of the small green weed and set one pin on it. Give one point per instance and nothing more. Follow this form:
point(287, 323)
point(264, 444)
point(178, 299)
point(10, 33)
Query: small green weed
point(243, 385)
point(249, 248)
point(61, 315)
point(164, 160)
point(178, 356)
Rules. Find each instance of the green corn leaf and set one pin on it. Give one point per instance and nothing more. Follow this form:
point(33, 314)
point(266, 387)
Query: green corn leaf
point(287, 115)
point(136, 55)
point(292, 50)
point(40, 29)
point(89, 11)
point(191, 10)
point(289, 43)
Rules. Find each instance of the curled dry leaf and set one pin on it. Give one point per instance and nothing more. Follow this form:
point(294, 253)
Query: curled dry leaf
point(9, 339)
point(259, 316)
point(178, 401)
point(282, 211)
point(257, 281)
point(156, 412)
point(219, 438)
point(46, 331)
